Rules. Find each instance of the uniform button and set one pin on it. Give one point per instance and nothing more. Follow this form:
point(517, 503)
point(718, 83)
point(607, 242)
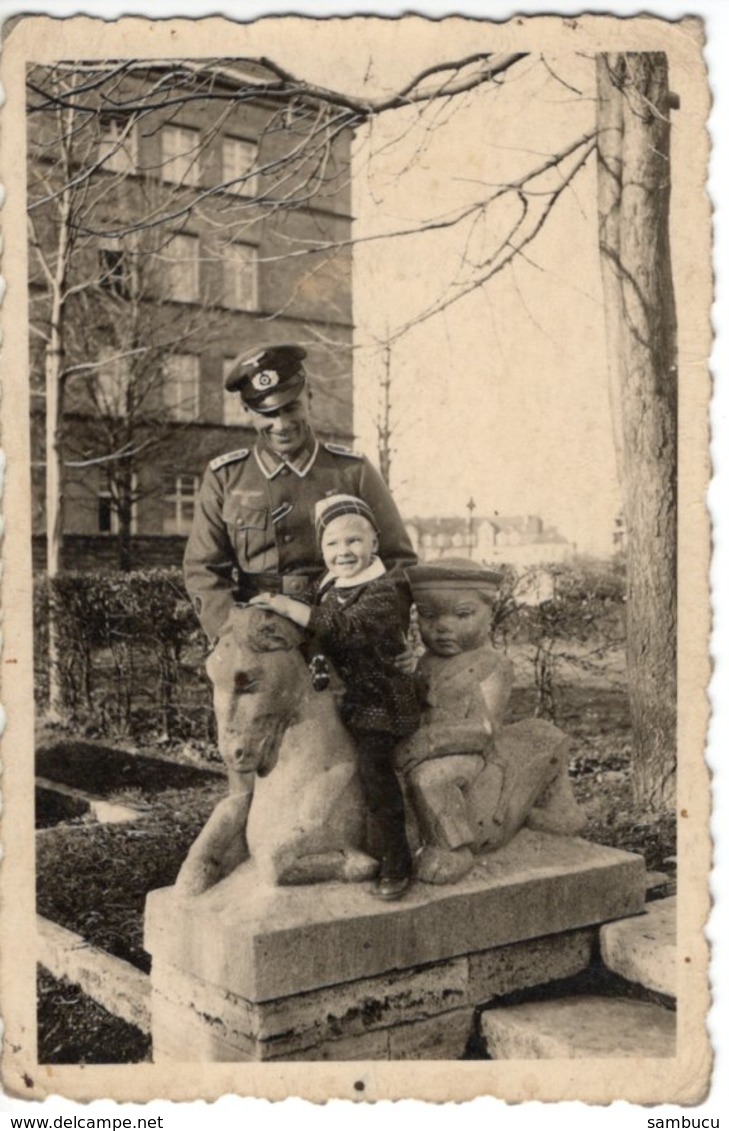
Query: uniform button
point(285, 471)
point(288, 537)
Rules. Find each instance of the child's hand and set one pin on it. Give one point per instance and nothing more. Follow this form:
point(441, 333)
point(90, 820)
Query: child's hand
point(267, 601)
point(285, 606)
point(406, 662)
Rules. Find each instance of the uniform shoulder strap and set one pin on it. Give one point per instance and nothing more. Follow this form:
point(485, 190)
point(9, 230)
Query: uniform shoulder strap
point(340, 450)
point(229, 457)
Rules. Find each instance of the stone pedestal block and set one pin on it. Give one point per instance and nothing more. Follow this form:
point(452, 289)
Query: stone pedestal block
point(246, 972)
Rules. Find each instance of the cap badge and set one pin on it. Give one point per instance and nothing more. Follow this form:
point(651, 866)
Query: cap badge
point(266, 379)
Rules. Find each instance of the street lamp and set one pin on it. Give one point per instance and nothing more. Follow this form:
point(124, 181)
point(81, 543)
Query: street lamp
point(471, 506)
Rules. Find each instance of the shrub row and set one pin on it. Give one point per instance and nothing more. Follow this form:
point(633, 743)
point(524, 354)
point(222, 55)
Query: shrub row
point(131, 650)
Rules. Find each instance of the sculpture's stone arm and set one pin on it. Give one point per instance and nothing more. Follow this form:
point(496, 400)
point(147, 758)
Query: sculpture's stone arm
point(438, 740)
point(496, 690)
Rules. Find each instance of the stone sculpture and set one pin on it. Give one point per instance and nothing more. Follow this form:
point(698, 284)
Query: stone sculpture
point(307, 823)
point(474, 782)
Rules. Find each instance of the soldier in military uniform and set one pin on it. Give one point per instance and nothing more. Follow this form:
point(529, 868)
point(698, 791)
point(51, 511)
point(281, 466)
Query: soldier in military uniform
point(253, 529)
point(254, 532)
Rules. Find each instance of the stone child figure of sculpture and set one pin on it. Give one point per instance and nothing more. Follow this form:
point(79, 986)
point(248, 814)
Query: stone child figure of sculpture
point(472, 781)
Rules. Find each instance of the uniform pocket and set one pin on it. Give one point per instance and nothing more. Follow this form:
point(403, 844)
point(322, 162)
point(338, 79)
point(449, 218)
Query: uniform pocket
point(249, 530)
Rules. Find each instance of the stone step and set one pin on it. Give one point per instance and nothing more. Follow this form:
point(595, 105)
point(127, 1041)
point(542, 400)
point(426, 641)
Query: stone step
point(79, 802)
point(579, 1027)
point(642, 949)
point(118, 986)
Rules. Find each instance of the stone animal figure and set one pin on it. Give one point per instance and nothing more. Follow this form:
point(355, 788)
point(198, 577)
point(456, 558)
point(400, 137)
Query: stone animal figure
point(474, 782)
point(304, 822)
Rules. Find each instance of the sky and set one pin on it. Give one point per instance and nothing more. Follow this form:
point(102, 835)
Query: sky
point(503, 396)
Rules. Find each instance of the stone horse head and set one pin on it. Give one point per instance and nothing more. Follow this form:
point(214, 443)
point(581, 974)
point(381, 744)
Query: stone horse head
point(304, 820)
point(259, 679)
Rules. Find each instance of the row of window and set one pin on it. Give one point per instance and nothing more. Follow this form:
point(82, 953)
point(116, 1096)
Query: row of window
point(180, 158)
point(178, 507)
point(179, 278)
point(180, 388)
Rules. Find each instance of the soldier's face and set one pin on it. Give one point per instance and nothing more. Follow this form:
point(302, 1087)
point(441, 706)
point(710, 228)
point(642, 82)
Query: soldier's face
point(452, 621)
point(286, 430)
point(348, 545)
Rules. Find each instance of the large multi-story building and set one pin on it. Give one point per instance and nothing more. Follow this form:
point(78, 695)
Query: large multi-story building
point(177, 219)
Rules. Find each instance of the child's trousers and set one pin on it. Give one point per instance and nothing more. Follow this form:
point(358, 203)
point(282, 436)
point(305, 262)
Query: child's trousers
point(384, 800)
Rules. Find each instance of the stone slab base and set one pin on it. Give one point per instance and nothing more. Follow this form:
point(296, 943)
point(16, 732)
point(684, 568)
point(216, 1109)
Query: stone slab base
point(579, 1027)
point(263, 943)
point(328, 972)
point(643, 949)
point(423, 1013)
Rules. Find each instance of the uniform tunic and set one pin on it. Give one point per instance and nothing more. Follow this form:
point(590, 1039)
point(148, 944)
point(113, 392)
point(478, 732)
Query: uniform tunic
point(255, 516)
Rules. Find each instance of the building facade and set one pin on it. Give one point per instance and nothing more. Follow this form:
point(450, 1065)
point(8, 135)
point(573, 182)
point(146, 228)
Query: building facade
point(175, 221)
point(516, 540)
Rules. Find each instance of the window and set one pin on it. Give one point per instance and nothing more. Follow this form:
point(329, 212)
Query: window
point(179, 503)
point(239, 158)
point(240, 276)
point(117, 144)
point(180, 155)
point(181, 386)
point(234, 413)
point(111, 388)
point(115, 267)
point(182, 270)
point(108, 513)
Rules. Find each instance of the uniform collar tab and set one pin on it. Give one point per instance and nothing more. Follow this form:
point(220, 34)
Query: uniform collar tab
point(271, 464)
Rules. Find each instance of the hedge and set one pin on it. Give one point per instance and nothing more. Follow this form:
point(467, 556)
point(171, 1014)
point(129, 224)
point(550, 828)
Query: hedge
point(131, 652)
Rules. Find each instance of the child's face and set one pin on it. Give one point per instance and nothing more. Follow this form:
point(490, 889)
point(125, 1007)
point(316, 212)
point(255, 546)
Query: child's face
point(348, 545)
point(453, 620)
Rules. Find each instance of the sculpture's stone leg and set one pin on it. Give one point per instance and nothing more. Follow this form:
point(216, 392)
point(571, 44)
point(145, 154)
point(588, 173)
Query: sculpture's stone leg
point(435, 865)
point(557, 811)
point(294, 866)
point(437, 789)
point(221, 844)
point(527, 759)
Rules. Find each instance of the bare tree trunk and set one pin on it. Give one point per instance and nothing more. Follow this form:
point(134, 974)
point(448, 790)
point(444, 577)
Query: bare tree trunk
point(633, 196)
point(384, 422)
point(55, 388)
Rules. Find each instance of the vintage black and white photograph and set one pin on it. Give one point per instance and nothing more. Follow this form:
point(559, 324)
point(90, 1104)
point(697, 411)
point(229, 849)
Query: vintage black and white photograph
point(355, 562)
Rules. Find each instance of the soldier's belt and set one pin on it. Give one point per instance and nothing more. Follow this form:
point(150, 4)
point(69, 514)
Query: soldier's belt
point(290, 584)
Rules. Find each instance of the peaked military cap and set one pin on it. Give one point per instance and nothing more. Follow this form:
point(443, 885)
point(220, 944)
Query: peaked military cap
point(269, 378)
point(454, 573)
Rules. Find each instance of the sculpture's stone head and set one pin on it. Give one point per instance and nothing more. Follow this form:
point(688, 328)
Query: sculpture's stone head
point(259, 677)
point(454, 598)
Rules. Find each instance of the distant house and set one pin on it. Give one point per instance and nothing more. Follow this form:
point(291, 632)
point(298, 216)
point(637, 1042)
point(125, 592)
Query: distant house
point(518, 540)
